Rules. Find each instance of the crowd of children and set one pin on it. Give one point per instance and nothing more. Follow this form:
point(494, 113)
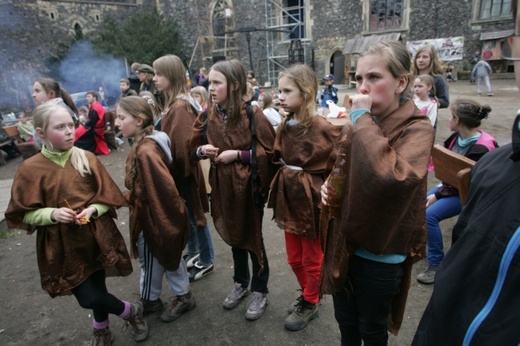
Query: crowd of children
point(354, 238)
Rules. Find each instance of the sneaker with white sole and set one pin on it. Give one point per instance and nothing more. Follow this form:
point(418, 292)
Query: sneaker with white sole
point(257, 306)
point(235, 297)
point(198, 271)
point(190, 260)
point(428, 276)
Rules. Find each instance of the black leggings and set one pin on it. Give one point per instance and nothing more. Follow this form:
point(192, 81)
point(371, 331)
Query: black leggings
point(92, 294)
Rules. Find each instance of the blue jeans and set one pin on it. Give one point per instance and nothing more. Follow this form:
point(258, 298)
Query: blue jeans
point(443, 209)
point(199, 241)
point(362, 313)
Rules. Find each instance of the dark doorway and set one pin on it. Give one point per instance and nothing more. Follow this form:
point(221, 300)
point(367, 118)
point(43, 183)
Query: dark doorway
point(337, 67)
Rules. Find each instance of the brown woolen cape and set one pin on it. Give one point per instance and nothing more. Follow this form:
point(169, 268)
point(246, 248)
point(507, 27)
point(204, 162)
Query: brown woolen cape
point(178, 125)
point(68, 253)
point(295, 194)
point(156, 208)
point(383, 203)
point(236, 217)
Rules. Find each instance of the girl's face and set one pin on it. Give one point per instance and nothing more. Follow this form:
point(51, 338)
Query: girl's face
point(453, 121)
point(197, 98)
point(291, 98)
point(420, 88)
point(128, 125)
point(423, 61)
point(161, 82)
point(60, 131)
point(375, 80)
point(218, 88)
point(39, 95)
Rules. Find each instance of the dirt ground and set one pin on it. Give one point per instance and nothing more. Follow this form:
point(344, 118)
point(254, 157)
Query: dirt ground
point(30, 317)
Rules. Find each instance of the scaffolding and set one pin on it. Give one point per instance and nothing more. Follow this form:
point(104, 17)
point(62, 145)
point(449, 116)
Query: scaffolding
point(283, 15)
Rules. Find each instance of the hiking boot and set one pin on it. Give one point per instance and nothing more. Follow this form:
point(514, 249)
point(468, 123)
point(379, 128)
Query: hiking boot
point(150, 306)
point(136, 321)
point(198, 271)
point(428, 276)
point(294, 304)
point(190, 260)
point(179, 305)
point(102, 337)
point(257, 306)
point(235, 297)
point(301, 316)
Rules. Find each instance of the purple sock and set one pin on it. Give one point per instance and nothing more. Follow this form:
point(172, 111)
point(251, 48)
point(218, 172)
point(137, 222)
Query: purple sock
point(128, 310)
point(100, 325)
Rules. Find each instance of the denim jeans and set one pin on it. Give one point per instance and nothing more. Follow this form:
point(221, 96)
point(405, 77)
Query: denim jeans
point(443, 209)
point(362, 313)
point(199, 241)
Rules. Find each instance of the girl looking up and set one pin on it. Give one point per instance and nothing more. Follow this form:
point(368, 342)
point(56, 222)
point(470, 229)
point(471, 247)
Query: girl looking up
point(71, 206)
point(158, 216)
point(422, 87)
point(238, 139)
point(303, 145)
point(379, 229)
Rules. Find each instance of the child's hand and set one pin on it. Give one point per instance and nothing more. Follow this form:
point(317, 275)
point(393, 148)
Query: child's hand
point(227, 156)
point(85, 215)
point(360, 101)
point(63, 215)
point(209, 151)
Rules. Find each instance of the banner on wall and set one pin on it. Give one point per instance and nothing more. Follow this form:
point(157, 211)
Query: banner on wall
point(449, 49)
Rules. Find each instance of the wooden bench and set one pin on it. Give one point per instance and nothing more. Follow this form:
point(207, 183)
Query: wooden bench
point(27, 149)
point(453, 169)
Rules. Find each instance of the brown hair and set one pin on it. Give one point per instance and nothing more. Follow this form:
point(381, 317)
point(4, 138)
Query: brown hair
point(470, 112)
point(49, 84)
point(171, 67)
point(435, 67)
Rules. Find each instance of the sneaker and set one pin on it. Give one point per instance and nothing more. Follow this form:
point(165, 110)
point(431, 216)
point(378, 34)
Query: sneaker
point(179, 305)
point(150, 306)
point(102, 337)
point(257, 306)
point(136, 321)
point(301, 316)
point(198, 271)
point(235, 297)
point(190, 260)
point(294, 304)
point(490, 94)
point(428, 276)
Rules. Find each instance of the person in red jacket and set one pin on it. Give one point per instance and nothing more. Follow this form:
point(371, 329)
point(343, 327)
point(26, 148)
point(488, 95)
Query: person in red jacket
point(91, 135)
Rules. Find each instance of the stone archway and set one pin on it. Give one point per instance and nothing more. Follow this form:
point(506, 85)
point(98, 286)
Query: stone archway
point(337, 67)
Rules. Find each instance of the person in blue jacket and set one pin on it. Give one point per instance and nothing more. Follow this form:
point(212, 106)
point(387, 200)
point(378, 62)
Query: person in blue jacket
point(330, 92)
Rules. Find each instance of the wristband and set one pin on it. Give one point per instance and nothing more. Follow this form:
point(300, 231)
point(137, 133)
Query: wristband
point(354, 115)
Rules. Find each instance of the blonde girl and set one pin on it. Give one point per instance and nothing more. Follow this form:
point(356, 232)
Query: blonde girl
point(200, 94)
point(379, 230)
point(423, 86)
point(158, 216)
point(238, 139)
point(426, 61)
point(71, 205)
point(303, 145)
point(178, 116)
point(156, 109)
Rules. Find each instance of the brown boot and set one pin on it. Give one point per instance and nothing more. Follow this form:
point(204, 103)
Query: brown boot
point(179, 305)
point(136, 321)
point(102, 337)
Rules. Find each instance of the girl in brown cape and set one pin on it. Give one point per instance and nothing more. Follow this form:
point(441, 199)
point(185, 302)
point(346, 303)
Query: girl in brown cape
point(158, 215)
point(239, 178)
point(379, 230)
point(303, 145)
point(66, 195)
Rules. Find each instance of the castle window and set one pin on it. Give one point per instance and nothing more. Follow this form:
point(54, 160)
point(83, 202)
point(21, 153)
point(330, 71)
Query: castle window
point(222, 21)
point(493, 9)
point(385, 15)
point(294, 15)
point(51, 15)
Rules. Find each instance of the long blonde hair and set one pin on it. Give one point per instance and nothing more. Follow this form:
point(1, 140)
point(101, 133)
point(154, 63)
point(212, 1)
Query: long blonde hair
point(41, 117)
point(307, 82)
point(138, 108)
point(435, 68)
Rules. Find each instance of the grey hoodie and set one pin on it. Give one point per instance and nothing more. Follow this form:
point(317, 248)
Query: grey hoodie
point(163, 140)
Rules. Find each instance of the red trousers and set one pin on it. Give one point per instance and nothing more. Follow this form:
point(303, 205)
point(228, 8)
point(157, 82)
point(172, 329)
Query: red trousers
point(305, 256)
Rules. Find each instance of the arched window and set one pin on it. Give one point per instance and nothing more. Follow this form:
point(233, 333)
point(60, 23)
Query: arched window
point(221, 13)
point(78, 33)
